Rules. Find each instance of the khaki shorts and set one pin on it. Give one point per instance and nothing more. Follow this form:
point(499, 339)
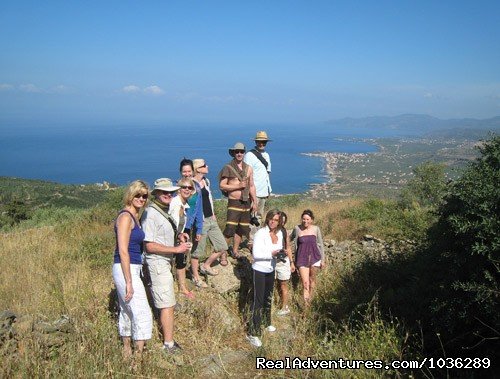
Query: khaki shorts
point(212, 232)
point(162, 281)
point(283, 270)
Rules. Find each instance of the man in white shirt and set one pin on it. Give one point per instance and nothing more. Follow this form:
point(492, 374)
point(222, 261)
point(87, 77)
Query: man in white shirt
point(259, 160)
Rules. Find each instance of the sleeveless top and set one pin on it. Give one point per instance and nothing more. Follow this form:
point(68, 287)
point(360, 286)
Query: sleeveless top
point(307, 251)
point(134, 244)
point(207, 207)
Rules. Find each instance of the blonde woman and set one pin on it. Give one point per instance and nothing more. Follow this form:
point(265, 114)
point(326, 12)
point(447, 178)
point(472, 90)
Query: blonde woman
point(309, 253)
point(135, 319)
point(178, 211)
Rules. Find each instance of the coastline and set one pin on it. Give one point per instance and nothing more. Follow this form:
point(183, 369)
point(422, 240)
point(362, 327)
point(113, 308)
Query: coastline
point(384, 172)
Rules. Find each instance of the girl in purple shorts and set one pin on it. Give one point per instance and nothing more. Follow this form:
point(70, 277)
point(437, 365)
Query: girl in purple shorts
point(309, 253)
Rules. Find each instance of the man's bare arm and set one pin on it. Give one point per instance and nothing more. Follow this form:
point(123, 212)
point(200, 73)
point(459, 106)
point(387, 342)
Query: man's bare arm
point(158, 248)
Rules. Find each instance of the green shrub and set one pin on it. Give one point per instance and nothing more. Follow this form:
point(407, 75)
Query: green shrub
point(466, 242)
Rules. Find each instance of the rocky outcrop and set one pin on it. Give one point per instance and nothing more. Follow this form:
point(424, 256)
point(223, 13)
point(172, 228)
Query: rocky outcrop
point(50, 334)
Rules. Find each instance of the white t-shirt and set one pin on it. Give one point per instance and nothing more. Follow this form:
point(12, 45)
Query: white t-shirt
point(260, 174)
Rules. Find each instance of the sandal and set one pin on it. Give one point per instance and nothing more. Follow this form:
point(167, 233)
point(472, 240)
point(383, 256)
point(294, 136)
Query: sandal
point(208, 271)
point(223, 260)
point(234, 254)
point(199, 283)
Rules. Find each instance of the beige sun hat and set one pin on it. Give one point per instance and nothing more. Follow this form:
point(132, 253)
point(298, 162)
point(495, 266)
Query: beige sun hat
point(164, 184)
point(237, 146)
point(197, 163)
point(262, 136)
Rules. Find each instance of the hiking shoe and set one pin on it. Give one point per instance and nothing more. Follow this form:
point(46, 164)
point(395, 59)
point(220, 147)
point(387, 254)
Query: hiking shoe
point(199, 283)
point(284, 311)
point(172, 350)
point(271, 328)
point(254, 341)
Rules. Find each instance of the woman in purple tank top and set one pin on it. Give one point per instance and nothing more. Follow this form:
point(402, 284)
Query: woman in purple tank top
point(309, 253)
point(135, 319)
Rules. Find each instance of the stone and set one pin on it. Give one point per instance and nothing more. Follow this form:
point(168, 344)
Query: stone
point(214, 365)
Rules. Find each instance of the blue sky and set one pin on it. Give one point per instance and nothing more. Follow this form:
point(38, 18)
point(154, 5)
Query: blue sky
point(247, 61)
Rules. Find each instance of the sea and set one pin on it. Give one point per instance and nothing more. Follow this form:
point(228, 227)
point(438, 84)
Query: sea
point(119, 154)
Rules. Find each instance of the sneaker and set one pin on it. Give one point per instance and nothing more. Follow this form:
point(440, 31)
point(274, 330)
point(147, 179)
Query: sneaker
point(271, 328)
point(199, 283)
point(254, 341)
point(172, 350)
point(283, 312)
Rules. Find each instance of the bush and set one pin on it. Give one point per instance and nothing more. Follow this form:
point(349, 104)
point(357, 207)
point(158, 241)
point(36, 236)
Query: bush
point(466, 242)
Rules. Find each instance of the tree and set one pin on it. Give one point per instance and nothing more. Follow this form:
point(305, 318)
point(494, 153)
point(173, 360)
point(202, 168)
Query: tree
point(427, 188)
point(467, 245)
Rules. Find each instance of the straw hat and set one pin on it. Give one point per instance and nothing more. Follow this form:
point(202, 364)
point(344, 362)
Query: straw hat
point(262, 136)
point(164, 184)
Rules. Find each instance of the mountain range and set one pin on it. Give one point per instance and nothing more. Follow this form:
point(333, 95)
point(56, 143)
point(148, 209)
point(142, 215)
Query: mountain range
point(418, 122)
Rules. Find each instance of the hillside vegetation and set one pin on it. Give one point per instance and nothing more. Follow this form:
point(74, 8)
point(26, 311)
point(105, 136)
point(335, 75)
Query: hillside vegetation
point(434, 294)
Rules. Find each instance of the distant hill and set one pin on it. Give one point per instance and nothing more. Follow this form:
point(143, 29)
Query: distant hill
point(417, 122)
point(41, 193)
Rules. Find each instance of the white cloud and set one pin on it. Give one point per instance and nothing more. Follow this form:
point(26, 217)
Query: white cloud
point(61, 88)
point(154, 90)
point(151, 90)
point(31, 88)
point(6, 87)
point(428, 95)
point(131, 89)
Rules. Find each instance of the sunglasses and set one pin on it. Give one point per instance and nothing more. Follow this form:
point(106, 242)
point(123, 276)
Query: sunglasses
point(262, 142)
point(188, 187)
point(165, 193)
point(239, 151)
point(205, 165)
point(141, 196)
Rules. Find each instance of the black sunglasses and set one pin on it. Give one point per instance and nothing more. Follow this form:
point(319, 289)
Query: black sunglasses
point(171, 193)
point(188, 187)
point(141, 196)
point(239, 151)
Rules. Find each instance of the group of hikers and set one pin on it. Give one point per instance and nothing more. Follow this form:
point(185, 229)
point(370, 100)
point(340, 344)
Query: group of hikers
point(177, 221)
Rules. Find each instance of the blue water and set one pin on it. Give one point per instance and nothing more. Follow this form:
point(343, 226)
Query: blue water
point(120, 154)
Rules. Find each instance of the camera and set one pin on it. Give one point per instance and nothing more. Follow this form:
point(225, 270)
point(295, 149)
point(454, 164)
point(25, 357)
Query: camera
point(254, 221)
point(281, 256)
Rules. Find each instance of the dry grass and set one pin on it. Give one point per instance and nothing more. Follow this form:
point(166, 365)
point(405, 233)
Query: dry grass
point(65, 269)
point(329, 217)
